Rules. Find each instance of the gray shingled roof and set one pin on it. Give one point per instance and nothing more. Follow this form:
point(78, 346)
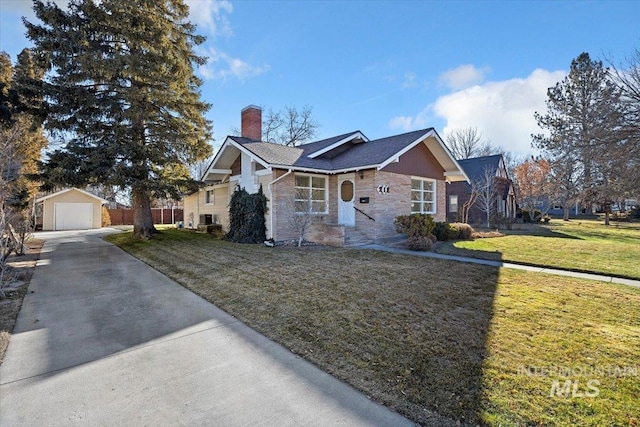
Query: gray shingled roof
point(312, 147)
point(364, 154)
point(475, 167)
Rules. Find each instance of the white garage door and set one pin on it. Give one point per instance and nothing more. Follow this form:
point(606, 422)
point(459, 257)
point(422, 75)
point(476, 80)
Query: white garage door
point(73, 216)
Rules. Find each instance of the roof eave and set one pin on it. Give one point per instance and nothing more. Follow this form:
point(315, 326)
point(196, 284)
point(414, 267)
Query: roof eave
point(325, 171)
point(66, 190)
point(230, 142)
point(338, 143)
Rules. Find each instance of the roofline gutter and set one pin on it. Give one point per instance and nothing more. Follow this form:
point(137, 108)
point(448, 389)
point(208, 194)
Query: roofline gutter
point(290, 171)
point(325, 171)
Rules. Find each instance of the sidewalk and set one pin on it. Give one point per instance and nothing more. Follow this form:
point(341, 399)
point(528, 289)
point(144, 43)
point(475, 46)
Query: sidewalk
point(104, 339)
point(500, 264)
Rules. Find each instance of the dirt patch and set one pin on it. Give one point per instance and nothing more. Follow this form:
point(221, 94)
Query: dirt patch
point(486, 234)
point(21, 271)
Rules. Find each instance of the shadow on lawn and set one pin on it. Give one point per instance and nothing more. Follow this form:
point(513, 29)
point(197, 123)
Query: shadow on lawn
point(418, 344)
point(455, 345)
point(540, 231)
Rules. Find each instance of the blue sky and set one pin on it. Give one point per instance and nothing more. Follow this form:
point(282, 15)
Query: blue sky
point(386, 67)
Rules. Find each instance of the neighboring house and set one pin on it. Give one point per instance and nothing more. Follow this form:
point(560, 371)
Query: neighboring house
point(353, 186)
point(70, 209)
point(544, 205)
point(477, 168)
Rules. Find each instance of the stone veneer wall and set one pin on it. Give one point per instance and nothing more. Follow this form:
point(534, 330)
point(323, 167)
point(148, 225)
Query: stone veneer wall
point(389, 206)
point(282, 204)
point(384, 208)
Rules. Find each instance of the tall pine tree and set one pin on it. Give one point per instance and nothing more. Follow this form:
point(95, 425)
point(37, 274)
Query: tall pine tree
point(21, 136)
point(583, 120)
point(123, 94)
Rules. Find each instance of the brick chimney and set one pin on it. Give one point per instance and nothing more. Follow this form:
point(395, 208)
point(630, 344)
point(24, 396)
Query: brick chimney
point(252, 122)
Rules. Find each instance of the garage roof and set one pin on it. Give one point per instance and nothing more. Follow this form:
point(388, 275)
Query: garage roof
point(42, 199)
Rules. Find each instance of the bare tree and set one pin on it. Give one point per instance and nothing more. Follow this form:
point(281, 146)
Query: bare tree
point(198, 168)
point(467, 143)
point(486, 193)
point(300, 220)
point(627, 78)
point(467, 205)
point(289, 126)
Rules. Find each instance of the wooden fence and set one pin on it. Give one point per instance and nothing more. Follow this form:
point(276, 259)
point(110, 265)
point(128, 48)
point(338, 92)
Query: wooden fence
point(160, 216)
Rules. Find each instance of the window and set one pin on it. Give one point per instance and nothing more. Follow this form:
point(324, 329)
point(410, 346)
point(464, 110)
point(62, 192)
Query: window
point(209, 197)
point(311, 194)
point(453, 204)
point(423, 196)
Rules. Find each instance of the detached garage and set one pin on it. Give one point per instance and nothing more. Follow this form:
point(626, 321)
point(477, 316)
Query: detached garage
point(71, 209)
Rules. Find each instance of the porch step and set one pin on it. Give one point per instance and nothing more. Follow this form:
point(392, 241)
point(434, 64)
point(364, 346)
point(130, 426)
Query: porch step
point(353, 237)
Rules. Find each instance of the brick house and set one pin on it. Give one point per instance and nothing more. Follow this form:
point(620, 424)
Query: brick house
point(354, 187)
point(477, 169)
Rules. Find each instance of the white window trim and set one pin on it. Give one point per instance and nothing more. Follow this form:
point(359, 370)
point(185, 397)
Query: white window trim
point(451, 204)
point(435, 195)
point(212, 199)
point(326, 192)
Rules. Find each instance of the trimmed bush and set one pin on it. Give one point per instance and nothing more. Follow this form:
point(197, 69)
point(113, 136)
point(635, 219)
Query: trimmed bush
point(415, 225)
point(445, 231)
point(419, 243)
point(464, 230)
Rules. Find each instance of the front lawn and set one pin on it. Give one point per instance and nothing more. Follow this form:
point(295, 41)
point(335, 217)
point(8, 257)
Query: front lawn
point(579, 245)
point(438, 341)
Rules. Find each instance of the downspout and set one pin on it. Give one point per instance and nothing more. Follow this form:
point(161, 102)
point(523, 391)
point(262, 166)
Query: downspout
point(271, 199)
point(197, 215)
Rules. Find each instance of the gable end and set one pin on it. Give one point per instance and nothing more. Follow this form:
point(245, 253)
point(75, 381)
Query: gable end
point(418, 161)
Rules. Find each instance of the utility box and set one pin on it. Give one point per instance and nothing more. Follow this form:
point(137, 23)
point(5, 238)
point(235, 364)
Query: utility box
point(206, 219)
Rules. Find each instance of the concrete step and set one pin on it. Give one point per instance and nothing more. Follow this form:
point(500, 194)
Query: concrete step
point(353, 237)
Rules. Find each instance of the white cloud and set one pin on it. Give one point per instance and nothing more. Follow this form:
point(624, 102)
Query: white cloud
point(409, 123)
point(463, 77)
point(222, 66)
point(211, 16)
point(409, 80)
point(502, 111)
point(212, 19)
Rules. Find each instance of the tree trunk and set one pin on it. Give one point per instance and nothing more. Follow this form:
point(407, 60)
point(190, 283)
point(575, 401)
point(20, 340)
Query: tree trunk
point(566, 213)
point(142, 220)
point(606, 216)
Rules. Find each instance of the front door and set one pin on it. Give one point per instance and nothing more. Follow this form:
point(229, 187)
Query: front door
point(346, 202)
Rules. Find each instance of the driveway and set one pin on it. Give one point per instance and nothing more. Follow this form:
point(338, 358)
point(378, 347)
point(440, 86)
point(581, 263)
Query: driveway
point(103, 339)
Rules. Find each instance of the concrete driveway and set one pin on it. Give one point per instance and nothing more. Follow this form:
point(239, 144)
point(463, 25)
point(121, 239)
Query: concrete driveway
point(106, 340)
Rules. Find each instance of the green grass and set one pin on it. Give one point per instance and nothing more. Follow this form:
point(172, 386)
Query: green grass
point(579, 245)
point(438, 341)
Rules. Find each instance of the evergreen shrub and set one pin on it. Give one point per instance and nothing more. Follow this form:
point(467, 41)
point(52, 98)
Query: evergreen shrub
point(464, 231)
point(415, 225)
point(246, 217)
